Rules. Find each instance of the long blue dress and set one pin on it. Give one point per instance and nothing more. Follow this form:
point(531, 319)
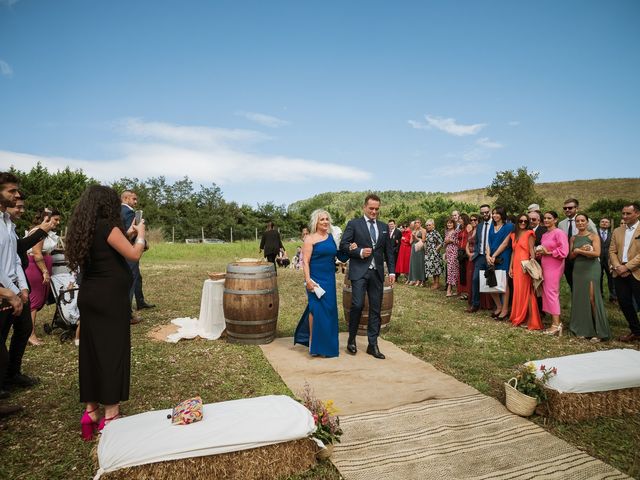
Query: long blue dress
point(322, 268)
point(495, 240)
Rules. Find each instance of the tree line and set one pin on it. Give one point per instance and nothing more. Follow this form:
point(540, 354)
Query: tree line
point(181, 210)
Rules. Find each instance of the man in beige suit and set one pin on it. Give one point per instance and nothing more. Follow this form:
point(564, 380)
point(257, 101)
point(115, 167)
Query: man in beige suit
point(624, 256)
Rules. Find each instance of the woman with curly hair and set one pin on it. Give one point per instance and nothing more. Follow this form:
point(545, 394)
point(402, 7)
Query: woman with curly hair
point(99, 248)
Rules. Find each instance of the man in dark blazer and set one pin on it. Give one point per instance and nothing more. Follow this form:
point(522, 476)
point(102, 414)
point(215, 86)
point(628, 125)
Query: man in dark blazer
point(478, 258)
point(271, 243)
point(367, 242)
point(604, 231)
point(535, 219)
point(394, 235)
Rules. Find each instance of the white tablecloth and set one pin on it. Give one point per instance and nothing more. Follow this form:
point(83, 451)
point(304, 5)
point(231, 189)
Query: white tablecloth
point(226, 427)
point(594, 372)
point(210, 323)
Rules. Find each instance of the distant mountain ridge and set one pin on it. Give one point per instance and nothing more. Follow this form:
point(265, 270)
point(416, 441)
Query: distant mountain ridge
point(554, 193)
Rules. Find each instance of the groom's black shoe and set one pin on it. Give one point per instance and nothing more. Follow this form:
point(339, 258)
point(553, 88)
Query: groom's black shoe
point(351, 347)
point(375, 351)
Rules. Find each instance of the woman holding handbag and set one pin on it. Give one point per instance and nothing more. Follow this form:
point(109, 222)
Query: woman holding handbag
point(498, 254)
point(553, 249)
point(416, 262)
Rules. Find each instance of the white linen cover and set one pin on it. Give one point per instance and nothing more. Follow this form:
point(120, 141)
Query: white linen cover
point(210, 324)
point(594, 372)
point(226, 427)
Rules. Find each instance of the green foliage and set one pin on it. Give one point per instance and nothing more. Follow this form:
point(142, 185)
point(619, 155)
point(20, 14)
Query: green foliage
point(515, 191)
point(59, 190)
point(608, 208)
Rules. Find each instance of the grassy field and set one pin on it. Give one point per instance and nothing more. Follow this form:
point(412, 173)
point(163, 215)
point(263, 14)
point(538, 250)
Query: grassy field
point(44, 440)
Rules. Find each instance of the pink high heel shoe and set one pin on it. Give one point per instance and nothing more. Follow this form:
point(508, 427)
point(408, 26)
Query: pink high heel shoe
point(88, 425)
point(105, 420)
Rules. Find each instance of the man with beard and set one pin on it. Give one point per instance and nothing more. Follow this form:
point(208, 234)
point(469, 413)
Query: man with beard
point(12, 277)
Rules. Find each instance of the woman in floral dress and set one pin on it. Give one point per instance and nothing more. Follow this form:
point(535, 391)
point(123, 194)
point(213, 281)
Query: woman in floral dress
point(432, 261)
point(451, 256)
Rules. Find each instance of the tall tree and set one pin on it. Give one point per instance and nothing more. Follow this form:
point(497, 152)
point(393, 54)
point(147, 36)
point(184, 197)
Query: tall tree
point(515, 191)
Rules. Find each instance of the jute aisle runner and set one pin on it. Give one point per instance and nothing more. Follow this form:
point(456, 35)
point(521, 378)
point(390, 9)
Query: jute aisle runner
point(403, 419)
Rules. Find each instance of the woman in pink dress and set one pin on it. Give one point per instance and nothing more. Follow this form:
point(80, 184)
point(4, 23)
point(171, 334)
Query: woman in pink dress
point(404, 254)
point(451, 256)
point(524, 305)
point(553, 249)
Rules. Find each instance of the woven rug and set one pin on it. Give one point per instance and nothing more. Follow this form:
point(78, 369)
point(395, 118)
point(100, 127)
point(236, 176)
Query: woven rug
point(468, 437)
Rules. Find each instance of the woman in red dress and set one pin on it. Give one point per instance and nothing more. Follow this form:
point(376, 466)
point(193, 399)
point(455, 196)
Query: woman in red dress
point(404, 254)
point(463, 236)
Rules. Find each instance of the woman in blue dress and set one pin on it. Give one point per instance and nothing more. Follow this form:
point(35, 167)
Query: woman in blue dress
point(499, 255)
point(318, 326)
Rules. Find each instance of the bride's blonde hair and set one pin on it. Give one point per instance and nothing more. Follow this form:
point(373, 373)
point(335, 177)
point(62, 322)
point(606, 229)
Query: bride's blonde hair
point(315, 216)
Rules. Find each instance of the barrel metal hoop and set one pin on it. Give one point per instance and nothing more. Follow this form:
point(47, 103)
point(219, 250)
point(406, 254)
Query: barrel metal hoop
point(249, 276)
point(251, 322)
point(251, 335)
point(251, 292)
point(250, 269)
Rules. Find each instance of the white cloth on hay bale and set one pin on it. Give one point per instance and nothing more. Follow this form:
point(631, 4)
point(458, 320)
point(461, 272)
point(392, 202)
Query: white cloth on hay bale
point(210, 323)
point(599, 371)
point(226, 427)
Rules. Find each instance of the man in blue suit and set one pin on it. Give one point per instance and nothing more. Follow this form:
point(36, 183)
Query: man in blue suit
point(371, 242)
point(479, 259)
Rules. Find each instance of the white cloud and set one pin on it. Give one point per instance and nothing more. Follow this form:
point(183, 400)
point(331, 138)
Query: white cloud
point(5, 69)
point(486, 143)
point(204, 154)
point(262, 119)
point(448, 125)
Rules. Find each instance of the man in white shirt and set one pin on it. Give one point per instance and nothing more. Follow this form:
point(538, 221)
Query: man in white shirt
point(624, 256)
point(12, 277)
point(568, 226)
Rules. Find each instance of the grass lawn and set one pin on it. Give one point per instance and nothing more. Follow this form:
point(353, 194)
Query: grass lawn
point(44, 441)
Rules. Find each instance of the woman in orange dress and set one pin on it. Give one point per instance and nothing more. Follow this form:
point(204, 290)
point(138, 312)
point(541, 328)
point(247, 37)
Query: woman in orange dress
point(524, 306)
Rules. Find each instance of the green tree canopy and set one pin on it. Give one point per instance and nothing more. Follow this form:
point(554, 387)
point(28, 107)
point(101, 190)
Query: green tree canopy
point(515, 191)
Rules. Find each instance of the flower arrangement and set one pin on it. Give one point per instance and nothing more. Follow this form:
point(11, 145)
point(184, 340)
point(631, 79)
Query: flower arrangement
point(328, 429)
point(532, 383)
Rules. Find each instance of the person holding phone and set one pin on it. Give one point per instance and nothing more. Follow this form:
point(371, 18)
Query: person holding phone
point(98, 246)
point(39, 270)
point(131, 216)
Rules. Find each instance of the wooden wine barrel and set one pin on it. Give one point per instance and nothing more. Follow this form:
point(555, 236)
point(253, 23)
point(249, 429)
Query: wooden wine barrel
point(385, 309)
point(250, 302)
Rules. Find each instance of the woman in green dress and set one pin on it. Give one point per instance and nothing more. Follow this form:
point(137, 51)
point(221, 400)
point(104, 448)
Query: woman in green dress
point(588, 315)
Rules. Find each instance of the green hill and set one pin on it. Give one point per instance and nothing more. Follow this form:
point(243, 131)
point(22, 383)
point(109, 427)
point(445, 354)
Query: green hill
point(405, 205)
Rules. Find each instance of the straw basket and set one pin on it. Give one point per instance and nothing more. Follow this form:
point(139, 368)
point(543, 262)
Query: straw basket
point(325, 453)
point(516, 401)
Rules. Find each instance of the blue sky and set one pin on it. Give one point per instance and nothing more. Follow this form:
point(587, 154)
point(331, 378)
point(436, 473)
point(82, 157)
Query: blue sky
point(280, 100)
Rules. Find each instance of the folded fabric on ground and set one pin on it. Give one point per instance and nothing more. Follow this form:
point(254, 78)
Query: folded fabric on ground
point(226, 427)
point(594, 372)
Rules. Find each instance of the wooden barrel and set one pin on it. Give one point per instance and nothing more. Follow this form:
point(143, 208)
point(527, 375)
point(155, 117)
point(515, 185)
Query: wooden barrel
point(385, 309)
point(250, 302)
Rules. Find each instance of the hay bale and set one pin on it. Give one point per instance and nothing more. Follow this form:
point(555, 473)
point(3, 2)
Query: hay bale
point(270, 462)
point(576, 407)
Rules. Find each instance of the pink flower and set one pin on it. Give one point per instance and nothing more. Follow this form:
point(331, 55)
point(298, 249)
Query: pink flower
point(542, 368)
point(315, 418)
point(554, 370)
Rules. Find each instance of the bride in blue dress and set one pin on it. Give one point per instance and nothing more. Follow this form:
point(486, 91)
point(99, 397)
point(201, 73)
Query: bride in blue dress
point(318, 326)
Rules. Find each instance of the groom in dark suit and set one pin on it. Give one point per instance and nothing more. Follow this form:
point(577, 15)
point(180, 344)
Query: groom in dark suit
point(366, 270)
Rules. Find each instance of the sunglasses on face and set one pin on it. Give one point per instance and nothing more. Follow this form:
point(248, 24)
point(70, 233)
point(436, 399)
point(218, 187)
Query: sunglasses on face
point(522, 221)
point(568, 208)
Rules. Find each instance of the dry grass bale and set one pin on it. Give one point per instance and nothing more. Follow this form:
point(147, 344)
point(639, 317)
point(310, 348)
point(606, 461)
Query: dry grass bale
point(576, 407)
point(270, 462)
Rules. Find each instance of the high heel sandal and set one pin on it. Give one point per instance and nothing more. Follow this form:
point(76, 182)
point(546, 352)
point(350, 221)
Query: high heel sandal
point(88, 425)
point(105, 420)
point(554, 330)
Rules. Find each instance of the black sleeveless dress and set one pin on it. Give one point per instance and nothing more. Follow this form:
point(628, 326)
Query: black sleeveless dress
point(105, 342)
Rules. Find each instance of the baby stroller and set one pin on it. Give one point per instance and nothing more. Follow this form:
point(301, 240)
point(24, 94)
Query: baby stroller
point(64, 291)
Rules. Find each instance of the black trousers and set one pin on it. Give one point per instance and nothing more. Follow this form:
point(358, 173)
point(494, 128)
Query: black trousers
point(568, 272)
point(22, 327)
point(372, 286)
point(604, 270)
point(628, 290)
